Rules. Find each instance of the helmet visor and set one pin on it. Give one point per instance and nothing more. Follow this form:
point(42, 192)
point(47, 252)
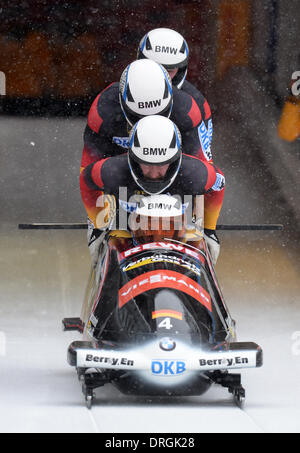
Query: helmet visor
point(159, 184)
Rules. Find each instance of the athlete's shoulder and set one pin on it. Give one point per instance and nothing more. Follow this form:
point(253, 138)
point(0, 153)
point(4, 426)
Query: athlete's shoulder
point(105, 108)
point(191, 162)
point(193, 175)
point(115, 173)
point(186, 112)
point(190, 89)
point(109, 94)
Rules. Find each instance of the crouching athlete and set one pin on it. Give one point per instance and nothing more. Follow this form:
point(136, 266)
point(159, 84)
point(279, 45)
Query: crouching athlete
point(169, 48)
point(154, 164)
point(145, 88)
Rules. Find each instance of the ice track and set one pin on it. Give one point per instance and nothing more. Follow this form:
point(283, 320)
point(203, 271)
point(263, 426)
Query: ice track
point(40, 392)
point(43, 275)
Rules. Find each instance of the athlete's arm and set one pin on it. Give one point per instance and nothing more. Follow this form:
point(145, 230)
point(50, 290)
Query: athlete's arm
point(214, 195)
point(204, 109)
point(193, 118)
point(91, 190)
point(98, 133)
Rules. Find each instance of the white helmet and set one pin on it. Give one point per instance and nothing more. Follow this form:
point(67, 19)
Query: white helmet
point(154, 140)
point(163, 205)
point(160, 216)
point(168, 48)
point(145, 89)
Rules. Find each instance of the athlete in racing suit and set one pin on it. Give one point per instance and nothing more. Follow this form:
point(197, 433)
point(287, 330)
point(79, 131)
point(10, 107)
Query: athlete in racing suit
point(169, 48)
point(176, 174)
point(109, 120)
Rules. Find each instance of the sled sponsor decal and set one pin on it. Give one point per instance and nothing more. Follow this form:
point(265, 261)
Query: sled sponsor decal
point(90, 358)
point(161, 258)
point(225, 362)
point(167, 313)
point(167, 344)
point(168, 367)
point(161, 245)
point(138, 263)
point(163, 279)
point(109, 360)
point(164, 363)
point(238, 358)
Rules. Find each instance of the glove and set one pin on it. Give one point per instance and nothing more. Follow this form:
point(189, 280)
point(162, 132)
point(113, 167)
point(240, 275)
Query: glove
point(213, 244)
point(97, 240)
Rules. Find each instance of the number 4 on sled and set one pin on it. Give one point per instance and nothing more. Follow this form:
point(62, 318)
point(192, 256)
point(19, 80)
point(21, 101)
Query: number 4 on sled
point(165, 324)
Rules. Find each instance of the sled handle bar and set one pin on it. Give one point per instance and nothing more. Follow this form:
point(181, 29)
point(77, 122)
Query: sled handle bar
point(83, 226)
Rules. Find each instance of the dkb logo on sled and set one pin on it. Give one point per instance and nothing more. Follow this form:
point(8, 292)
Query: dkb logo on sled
point(167, 367)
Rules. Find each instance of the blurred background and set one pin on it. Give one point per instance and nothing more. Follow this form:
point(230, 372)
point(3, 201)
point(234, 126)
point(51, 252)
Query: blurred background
point(52, 50)
point(60, 54)
point(55, 57)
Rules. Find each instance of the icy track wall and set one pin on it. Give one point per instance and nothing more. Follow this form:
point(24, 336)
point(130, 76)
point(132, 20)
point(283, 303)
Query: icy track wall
point(40, 157)
point(254, 117)
point(39, 172)
point(40, 162)
point(244, 99)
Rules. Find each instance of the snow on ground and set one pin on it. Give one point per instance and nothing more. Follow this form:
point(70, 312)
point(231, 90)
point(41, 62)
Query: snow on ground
point(43, 279)
point(44, 273)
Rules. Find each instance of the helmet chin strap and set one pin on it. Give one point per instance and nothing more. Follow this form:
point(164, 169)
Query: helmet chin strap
point(126, 117)
point(137, 181)
point(181, 75)
point(151, 193)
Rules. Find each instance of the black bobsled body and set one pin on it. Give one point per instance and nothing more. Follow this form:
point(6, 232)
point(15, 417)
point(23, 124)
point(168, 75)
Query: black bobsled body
point(158, 289)
point(157, 323)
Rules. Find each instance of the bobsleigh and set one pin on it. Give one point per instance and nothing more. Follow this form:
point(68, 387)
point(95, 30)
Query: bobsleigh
point(154, 320)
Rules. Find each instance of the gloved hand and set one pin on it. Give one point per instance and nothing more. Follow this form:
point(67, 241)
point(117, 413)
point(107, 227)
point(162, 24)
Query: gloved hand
point(213, 244)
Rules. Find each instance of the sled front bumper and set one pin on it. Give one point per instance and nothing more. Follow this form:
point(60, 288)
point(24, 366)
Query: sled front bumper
point(173, 361)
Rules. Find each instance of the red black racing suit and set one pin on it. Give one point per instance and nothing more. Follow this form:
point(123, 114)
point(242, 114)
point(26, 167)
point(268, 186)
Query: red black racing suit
point(205, 128)
point(195, 177)
point(106, 133)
